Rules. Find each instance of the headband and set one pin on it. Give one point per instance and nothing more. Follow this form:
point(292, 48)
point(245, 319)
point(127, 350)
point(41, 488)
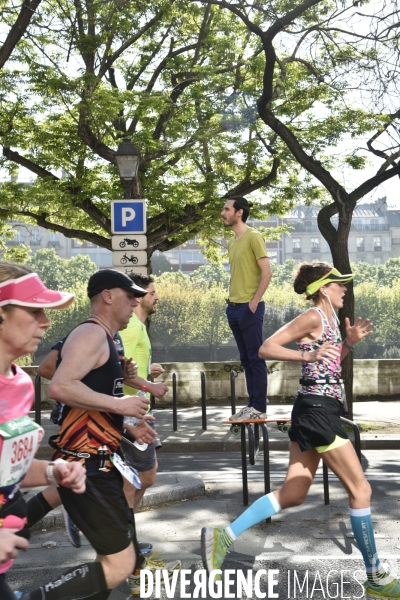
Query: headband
point(332, 276)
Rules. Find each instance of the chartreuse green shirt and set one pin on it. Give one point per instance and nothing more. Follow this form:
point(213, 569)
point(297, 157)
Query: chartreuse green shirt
point(137, 346)
point(245, 272)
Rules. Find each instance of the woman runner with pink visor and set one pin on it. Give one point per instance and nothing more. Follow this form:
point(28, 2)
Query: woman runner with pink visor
point(23, 322)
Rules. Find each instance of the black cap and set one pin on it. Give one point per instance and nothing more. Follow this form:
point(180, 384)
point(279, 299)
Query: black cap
point(109, 279)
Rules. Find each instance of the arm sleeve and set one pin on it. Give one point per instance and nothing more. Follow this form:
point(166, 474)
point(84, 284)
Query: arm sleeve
point(258, 246)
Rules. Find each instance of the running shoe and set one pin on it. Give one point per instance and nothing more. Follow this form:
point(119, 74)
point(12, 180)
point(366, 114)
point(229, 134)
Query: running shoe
point(214, 545)
point(386, 591)
point(248, 413)
point(145, 547)
point(237, 416)
point(153, 563)
point(72, 531)
point(253, 413)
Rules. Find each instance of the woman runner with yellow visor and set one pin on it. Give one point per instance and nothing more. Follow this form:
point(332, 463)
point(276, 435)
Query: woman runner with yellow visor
point(316, 431)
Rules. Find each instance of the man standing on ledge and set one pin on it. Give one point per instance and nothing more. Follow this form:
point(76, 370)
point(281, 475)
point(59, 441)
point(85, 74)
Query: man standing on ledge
point(250, 276)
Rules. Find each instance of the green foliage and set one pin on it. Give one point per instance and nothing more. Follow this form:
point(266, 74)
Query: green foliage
point(210, 325)
point(210, 275)
point(175, 311)
point(283, 274)
point(277, 316)
point(182, 79)
point(17, 254)
point(142, 70)
point(382, 306)
point(191, 310)
point(385, 274)
point(393, 352)
point(62, 273)
point(62, 321)
point(68, 275)
point(24, 361)
point(160, 264)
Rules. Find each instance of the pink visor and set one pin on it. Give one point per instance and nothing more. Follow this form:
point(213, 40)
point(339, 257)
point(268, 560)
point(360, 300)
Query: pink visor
point(30, 291)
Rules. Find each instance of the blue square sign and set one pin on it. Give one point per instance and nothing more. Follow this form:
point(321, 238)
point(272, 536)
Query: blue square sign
point(128, 216)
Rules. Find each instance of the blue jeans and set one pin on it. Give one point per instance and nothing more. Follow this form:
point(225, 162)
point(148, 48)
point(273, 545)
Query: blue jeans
point(247, 331)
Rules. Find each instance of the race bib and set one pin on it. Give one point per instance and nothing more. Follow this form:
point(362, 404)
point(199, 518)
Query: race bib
point(128, 472)
point(21, 440)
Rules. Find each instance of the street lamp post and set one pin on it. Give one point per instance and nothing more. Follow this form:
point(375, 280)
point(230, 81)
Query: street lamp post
point(127, 158)
point(128, 216)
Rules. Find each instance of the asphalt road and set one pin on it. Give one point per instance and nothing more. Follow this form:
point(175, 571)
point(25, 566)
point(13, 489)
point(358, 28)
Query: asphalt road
point(308, 556)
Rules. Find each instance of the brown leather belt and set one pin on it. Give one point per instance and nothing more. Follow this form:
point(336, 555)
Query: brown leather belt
point(234, 303)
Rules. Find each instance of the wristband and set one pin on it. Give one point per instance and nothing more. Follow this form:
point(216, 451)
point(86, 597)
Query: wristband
point(346, 345)
point(50, 471)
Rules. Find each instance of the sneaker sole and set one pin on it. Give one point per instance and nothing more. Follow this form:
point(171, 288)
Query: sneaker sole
point(171, 569)
point(207, 537)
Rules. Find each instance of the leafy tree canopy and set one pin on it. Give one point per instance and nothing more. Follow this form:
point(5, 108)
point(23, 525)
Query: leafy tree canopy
point(219, 102)
point(160, 264)
point(209, 275)
point(170, 75)
point(64, 274)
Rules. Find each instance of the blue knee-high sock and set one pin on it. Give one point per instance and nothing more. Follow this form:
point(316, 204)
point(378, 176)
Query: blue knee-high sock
point(261, 509)
point(361, 523)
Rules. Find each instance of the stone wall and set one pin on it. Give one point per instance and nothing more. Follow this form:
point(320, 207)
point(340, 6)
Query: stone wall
point(373, 379)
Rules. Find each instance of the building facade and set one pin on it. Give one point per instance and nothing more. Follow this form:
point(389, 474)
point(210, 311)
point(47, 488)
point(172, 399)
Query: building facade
point(374, 234)
point(374, 238)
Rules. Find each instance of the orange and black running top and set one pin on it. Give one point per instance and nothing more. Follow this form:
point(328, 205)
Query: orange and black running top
point(82, 432)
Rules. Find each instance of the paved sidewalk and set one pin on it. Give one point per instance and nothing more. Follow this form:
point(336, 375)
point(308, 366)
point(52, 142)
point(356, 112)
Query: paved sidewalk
point(190, 436)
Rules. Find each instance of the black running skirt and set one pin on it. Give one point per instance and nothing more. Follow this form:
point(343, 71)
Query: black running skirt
point(315, 421)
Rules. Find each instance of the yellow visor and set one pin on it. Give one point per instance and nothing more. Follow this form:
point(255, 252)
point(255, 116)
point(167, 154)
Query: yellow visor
point(332, 276)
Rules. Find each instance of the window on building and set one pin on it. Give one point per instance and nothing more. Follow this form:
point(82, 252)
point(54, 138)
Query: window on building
point(296, 245)
point(53, 240)
point(315, 245)
point(377, 244)
point(35, 237)
point(377, 260)
point(360, 244)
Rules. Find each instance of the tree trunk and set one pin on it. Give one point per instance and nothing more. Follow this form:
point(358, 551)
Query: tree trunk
point(338, 244)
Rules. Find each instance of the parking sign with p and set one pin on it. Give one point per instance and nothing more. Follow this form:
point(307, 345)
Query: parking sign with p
point(128, 216)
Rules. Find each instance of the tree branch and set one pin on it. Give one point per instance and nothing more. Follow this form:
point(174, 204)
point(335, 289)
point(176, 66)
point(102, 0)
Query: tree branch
point(18, 29)
point(42, 221)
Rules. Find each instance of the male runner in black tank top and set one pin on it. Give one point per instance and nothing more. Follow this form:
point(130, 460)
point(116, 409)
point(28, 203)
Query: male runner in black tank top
point(101, 513)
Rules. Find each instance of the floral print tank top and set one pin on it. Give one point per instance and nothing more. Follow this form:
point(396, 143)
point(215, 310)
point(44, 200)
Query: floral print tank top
point(321, 369)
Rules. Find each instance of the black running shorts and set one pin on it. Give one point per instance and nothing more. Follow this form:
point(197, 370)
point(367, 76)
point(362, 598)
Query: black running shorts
point(315, 421)
point(101, 512)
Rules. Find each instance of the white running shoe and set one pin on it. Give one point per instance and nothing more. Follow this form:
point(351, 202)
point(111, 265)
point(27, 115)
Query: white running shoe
point(238, 416)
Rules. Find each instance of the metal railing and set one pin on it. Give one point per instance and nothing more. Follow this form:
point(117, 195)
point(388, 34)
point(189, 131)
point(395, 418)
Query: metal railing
point(203, 402)
point(254, 448)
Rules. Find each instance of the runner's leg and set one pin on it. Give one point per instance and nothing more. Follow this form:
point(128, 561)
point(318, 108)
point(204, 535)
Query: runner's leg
point(301, 472)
